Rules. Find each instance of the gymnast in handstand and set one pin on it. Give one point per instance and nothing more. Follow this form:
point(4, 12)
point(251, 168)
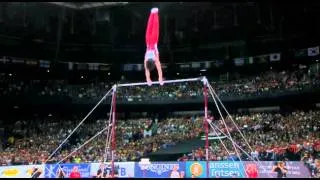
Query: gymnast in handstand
point(151, 58)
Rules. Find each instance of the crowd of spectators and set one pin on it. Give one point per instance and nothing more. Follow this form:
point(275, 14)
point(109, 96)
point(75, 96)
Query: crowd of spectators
point(31, 142)
point(272, 136)
point(268, 83)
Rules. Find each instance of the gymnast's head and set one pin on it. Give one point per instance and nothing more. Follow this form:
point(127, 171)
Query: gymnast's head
point(150, 64)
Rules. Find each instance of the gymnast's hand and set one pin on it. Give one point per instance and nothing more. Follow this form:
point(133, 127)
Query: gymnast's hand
point(149, 81)
point(161, 81)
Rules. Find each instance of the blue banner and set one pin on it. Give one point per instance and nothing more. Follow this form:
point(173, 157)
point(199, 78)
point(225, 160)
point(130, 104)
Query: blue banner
point(226, 169)
point(160, 170)
point(124, 169)
point(190, 169)
point(51, 170)
point(196, 169)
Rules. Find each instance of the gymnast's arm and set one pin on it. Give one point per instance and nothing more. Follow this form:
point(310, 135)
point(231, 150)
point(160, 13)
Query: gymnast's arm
point(158, 66)
point(146, 71)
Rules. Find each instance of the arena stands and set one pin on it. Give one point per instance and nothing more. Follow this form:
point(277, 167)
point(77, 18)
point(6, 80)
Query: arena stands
point(57, 60)
point(267, 83)
point(293, 136)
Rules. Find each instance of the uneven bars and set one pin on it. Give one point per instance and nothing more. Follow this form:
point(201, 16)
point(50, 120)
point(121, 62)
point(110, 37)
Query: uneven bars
point(157, 82)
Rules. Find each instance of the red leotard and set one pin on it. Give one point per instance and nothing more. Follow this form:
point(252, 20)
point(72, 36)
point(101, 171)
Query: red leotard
point(152, 34)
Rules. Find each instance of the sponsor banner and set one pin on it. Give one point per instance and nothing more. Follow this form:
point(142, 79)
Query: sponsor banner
point(51, 170)
point(196, 169)
point(23, 171)
point(226, 169)
point(124, 169)
point(189, 169)
point(264, 169)
point(160, 170)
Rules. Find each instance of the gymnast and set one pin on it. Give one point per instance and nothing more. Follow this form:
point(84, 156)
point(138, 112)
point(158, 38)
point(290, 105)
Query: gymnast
point(151, 58)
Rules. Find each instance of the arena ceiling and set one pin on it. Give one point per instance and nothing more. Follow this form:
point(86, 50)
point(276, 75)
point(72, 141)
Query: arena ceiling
point(87, 5)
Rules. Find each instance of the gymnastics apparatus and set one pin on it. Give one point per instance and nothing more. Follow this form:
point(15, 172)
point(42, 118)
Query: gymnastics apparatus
point(208, 91)
point(152, 60)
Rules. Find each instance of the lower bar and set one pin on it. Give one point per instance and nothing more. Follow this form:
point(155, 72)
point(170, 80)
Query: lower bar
point(157, 82)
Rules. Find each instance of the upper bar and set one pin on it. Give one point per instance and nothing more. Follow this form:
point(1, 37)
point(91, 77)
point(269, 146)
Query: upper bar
point(157, 82)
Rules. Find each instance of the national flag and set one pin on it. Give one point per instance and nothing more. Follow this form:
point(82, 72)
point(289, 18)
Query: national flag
point(313, 51)
point(207, 64)
point(238, 61)
point(203, 65)
point(93, 66)
point(261, 59)
point(164, 66)
point(300, 53)
point(195, 65)
point(70, 65)
point(140, 67)
point(248, 60)
point(137, 67)
point(184, 66)
point(275, 57)
point(134, 67)
point(90, 66)
point(147, 133)
point(213, 137)
point(82, 66)
point(218, 63)
point(31, 62)
point(126, 67)
point(316, 147)
point(17, 60)
point(44, 64)
point(293, 148)
point(4, 60)
point(104, 67)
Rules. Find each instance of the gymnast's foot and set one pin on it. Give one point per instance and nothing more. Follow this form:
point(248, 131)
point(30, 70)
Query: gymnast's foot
point(154, 10)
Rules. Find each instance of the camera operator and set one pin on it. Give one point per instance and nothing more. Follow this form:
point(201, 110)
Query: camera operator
point(61, 173)
point(105, 171)
point(316, 170)
point(280, 169)
point(36, 172)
